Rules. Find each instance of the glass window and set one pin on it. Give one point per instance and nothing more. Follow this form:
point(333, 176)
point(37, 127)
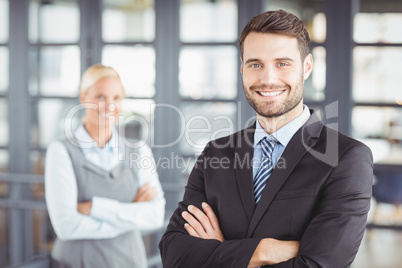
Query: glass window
point(314, 86)
point(136, 119)
point(378, 28)
point(4, 122)
point(4, 69)
point(128, 20)
point(205, 20)
point(43, 234)
point(4, 10)
point(376, 74)
point(54, 120)
point(55, 71)
point(311, 12)
point(4, 241)
point(4, 160)
point(136, 66)
point(381, 129)
point(208, 72)
point(185, 166)
point(37, 162)
point(54, 21)
point(204, 122)
point(3, 189)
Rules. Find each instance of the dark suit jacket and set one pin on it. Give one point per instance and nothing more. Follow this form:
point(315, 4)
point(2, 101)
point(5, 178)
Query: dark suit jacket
point(318, 193)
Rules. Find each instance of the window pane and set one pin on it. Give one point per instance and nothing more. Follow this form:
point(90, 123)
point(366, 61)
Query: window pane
point(381, 130)
point(378, 28)
point(4, 122)
point(4, 69)
point(3, 192)
point(128, 20)
point(376, 74)
point(53, 120)
point(3, 161)
point(136, 119)
point(205, 20)
point(136, 66)
point(55, 71)
point(54, 21)
point(208, 72)
point(310, 12)
point(37, 162)
point(205, 122)
point(43, 234)
point(4, 10)
point(314, 86)
point(186, 166)
point(4, 241)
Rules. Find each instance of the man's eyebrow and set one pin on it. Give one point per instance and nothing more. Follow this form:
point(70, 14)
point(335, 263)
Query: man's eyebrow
point(251, 60)
point(276, 59)
point(284, 58)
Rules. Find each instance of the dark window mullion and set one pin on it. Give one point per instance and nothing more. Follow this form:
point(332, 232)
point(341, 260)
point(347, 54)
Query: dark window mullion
point(377, 104)
point(20, 221)
point(377, 44)
point(208, 44)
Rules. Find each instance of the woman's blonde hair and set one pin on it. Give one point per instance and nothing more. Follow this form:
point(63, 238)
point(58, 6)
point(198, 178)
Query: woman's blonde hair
point(95, 73)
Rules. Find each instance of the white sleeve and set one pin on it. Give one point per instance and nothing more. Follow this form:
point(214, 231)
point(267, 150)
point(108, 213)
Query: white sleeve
point(61, 200)
point(138, 215)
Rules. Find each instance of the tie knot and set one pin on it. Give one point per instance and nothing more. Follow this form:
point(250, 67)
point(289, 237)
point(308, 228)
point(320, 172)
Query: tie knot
point(268, 144)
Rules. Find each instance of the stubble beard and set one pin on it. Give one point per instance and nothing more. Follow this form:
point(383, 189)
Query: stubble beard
point(267, 110)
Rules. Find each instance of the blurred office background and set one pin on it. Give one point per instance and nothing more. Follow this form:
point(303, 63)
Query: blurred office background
point(180, 64)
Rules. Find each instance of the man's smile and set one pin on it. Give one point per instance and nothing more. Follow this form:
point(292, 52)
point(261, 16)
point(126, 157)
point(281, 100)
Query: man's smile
point(270, 93)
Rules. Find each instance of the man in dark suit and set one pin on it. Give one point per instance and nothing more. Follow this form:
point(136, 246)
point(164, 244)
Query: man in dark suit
point(285, 192)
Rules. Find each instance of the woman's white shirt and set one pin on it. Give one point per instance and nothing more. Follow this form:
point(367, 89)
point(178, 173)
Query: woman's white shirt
point(108, 217)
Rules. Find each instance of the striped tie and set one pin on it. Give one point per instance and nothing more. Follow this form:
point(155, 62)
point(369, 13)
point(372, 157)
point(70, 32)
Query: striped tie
point(265, 169)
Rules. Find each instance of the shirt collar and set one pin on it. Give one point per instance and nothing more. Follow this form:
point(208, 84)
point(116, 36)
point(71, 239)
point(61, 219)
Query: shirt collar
point(285, 133)
point(85, 141)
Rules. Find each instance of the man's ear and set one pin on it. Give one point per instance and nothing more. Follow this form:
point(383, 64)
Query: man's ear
point(307, 66)
point(241, 65)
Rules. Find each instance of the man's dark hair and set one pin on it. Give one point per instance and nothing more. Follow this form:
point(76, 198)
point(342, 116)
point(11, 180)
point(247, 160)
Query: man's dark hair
point(278, 22)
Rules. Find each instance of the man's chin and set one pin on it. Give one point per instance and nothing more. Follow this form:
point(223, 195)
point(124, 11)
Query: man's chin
point(271, 113)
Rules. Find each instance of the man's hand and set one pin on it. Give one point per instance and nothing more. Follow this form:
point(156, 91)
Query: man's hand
point(202, 225)
point(271, 251)
point(84, 207)
point(145, 193)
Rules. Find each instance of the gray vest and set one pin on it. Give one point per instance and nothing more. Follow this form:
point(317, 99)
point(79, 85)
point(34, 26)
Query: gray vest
point(121, 183)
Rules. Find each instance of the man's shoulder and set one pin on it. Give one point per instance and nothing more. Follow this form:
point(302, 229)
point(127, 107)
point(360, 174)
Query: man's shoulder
point(233, 140)
point(345, 143)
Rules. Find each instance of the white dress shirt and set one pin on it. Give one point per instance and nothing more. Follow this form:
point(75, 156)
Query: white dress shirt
point(108, 217)
point(282, 135)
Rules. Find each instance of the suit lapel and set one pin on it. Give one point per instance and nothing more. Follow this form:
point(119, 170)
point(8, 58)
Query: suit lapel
point(244, 169)
point(303, 140)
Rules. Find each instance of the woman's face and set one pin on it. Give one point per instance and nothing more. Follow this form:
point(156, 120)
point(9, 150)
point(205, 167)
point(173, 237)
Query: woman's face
point(103, 102)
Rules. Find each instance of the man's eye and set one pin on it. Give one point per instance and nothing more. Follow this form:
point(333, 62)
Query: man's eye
point(255, 65)
point(100, 97)
point(282, 64)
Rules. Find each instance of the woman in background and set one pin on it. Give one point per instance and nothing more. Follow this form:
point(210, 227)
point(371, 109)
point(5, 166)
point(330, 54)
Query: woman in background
point(97, 201)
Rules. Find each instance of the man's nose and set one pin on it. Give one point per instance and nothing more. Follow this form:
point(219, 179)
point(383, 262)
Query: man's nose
point(268, 76)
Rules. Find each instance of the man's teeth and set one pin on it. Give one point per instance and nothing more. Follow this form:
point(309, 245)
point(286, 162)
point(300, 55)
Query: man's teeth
point(266, 94)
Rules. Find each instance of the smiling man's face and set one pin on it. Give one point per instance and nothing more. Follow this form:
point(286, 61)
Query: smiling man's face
point(273, 74)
